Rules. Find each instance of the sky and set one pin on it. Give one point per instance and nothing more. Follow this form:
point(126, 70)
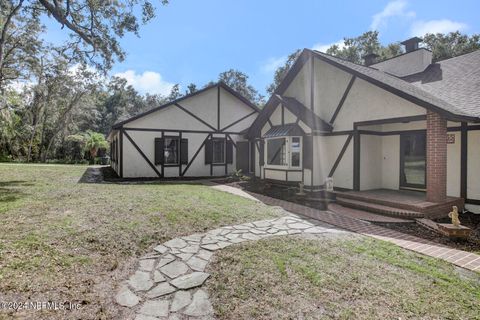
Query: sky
point(192, 41)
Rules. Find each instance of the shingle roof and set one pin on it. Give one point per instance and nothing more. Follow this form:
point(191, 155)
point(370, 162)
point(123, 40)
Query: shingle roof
point(290, 129)
point(415, 93)
point(455, 80)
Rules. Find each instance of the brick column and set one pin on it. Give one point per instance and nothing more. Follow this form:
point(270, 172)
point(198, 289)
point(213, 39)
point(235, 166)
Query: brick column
point(436, 157)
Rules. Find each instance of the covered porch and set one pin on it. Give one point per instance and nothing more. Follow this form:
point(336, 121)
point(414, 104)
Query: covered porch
point(399, 203)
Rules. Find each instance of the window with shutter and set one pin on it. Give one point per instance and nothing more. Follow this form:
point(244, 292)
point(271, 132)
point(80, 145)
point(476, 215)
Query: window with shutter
point(208, 151)
point(158, 151)
point(229, 146)
point(184, 151)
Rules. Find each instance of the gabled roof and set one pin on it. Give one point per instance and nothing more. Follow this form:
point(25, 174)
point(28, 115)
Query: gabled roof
point(220, 84)
point(455, 80)
point(402, 88)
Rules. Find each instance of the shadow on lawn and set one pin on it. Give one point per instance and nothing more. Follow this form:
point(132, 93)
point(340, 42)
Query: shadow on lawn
point(8, 192)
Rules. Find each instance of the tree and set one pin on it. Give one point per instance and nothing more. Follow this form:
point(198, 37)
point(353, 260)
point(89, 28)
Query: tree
point(281, 71)
point(94, 27)
point(174, 93)
point(355, 48)
point(238, 81)
point(444, 46)
point(191, 88)
point(93, 142)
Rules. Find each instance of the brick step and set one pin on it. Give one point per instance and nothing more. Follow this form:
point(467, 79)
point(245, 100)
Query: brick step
point(378, 208)
point(380, 201)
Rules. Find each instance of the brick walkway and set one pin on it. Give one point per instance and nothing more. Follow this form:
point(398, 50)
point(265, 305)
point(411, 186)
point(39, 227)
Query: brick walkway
point(467, 260)
point(364, 215)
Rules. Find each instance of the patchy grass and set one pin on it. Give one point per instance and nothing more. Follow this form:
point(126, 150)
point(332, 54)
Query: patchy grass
point(338, 278)
point(67, 241)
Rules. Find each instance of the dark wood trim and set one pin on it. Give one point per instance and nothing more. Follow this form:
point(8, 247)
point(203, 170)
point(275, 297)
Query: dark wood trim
point(286, 176)
point(218, 108)
point(342, 100)
point(225, 153)
point(335, 133)
point(472, 201)
point(474, 127)
point(179, 155)
point(143, 155)
point(219, 84)
point(390, 133)
point(341, 189)
point(463, 160)
point(312, 83)
point(121, 152)
point(270, 122)
point(340, 155)
point(356, 160)
point(195, 155)
point(237, 121)
point(194, 116)
point(233, 142)
point(288, 170)
point(396, 91)
point(283, 114)
point(390, 120)
point(162, 165)
point(313, 162)
point(176, 130)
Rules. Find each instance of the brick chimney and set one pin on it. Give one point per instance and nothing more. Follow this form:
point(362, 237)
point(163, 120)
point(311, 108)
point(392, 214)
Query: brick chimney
point(411, 44)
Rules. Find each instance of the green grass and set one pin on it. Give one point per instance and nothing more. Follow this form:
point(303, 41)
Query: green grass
point(338, 278)
point(63, 240)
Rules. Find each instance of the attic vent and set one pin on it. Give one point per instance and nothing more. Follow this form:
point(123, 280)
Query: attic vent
point(411, 44)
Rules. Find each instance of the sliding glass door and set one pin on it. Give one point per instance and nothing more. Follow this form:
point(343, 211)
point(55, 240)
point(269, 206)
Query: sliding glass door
point(413, 160)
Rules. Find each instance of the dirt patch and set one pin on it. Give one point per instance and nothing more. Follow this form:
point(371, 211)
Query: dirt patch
point(359, 278)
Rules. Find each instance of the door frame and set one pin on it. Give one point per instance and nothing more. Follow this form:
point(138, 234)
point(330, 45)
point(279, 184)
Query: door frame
point(402, 183)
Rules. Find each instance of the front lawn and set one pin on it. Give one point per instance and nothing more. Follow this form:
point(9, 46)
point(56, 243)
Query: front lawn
point(338, 278)
point(67, 241)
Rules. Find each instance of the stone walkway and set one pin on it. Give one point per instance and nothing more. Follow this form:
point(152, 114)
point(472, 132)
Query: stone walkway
point(167, 282)
point(464, 259)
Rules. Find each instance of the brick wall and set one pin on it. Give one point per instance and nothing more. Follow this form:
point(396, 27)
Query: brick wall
point(436, 157)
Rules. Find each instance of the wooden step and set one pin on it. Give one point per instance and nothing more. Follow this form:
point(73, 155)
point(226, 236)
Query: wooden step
point(378, 208)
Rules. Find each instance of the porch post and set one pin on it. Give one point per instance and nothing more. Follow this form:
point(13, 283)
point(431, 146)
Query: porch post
point(436, 157)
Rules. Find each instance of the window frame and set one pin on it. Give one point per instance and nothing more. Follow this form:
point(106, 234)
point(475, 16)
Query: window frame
point(288, 155)
point(224, 143)
point(165, 138)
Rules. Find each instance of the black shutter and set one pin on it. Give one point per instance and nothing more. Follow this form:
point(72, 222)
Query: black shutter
point(208, 151)
point(184, 151)
point(307, 152)
point(229, 147)
point(261, 153)
point(159, 151)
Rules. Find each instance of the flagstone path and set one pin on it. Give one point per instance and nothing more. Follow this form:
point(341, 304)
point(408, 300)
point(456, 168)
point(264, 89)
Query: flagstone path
point(167, 282)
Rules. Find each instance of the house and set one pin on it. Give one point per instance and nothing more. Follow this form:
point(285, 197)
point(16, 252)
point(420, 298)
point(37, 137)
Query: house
point(198, 135)
point(400, 124)
point(399, 136)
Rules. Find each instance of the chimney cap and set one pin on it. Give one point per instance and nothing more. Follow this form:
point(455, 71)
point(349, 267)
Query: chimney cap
point(370, 58)
point(413, 40)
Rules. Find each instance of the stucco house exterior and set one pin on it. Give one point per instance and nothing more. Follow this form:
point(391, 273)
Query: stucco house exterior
point(400, 124)
point(198, 135)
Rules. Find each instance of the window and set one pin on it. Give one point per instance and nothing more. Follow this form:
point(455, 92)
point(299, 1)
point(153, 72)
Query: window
point(276, 152)
point(218, 150)
point(295, 151)
point(170, 151)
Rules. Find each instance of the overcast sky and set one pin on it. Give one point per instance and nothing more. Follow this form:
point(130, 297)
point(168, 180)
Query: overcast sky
point(195, 40)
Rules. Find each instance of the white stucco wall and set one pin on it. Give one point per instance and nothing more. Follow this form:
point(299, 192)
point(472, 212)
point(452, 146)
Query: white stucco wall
point(473, 165)
point(203, 105)
point(367, 102)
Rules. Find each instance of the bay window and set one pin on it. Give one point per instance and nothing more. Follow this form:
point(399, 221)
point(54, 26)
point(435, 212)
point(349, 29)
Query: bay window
point(284, 152)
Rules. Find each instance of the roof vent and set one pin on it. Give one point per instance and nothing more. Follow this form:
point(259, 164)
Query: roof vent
point(411, 44)
point(370, 58)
